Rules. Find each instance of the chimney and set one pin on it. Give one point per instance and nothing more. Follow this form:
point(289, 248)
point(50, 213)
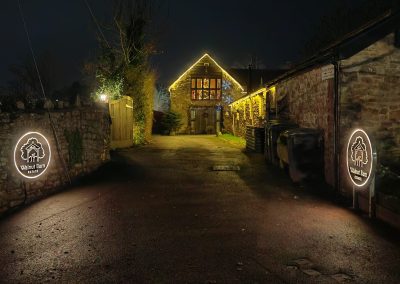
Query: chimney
point(249, 85)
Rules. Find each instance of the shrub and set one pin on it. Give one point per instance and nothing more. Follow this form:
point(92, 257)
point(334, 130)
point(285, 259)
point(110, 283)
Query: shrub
point(171, 122)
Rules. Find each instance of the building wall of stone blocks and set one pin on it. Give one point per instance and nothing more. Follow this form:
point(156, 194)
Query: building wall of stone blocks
point(248, 116)
point(93, 124)
point(247, 112)
point(308, 100)
point(240, 123)
point(370, 99)
point(227, 121)
point(181, 101)
point(256, 112)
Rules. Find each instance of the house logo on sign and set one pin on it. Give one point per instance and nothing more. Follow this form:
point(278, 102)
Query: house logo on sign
point(32, 151)
point(359, 155)
point(32, 155)
point(360, 158)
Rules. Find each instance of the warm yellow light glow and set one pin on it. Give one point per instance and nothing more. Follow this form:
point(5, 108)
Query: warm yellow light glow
point(259, 96)
point(103, 97)
point(242, 100)
point(173, 85)
point(262, 91)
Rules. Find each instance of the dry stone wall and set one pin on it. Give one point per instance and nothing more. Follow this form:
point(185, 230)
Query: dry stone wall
point(83, 135)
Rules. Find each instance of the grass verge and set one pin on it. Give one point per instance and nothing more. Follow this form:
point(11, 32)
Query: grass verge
point(233, 139)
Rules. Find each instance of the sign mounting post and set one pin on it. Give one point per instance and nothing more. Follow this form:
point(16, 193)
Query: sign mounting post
point(361, 163)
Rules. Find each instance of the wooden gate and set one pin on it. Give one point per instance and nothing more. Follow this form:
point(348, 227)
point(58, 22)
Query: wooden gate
point(121, 112)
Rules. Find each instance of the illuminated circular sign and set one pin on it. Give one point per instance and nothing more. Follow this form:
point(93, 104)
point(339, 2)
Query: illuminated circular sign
point(360, 158)
point(32, 155)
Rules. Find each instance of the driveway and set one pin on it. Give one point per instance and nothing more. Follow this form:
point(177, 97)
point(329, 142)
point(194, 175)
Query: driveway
point(160, 214)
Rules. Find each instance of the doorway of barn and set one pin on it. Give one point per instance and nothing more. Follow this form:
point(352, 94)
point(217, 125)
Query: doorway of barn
point(203, 120)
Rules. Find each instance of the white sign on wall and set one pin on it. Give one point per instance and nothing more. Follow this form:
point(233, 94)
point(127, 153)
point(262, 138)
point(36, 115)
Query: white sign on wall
point(32, 155)
point(328, 72)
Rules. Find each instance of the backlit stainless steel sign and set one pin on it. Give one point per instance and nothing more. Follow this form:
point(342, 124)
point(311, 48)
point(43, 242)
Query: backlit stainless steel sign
point(360, 158)
point(32, 155)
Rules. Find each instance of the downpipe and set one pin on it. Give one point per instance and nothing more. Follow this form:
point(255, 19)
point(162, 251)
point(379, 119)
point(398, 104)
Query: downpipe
point(336, 123)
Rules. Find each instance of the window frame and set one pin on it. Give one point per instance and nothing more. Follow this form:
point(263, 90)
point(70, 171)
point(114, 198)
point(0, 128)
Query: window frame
point(196, 92)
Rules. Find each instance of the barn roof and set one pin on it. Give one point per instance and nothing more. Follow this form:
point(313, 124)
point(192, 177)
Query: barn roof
point(255, 78)
point(349, 44)
point(199, 60)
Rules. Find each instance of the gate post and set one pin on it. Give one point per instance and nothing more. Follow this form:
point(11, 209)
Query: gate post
point(218, 121)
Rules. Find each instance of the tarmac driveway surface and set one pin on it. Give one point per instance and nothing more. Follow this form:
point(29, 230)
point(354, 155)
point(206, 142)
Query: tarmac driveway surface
point(160, 214)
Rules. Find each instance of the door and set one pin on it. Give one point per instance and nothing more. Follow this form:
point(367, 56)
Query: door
point(121, 112)
point(204, 120)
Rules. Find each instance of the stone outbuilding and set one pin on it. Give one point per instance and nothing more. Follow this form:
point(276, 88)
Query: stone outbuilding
point(201, 95)
point(353, 83)
point(253, 110)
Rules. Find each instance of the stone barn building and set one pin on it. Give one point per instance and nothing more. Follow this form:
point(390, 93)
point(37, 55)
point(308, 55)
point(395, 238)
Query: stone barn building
point(201, 95)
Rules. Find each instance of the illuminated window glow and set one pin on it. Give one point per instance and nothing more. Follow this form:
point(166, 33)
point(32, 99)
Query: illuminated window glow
point(206, 89)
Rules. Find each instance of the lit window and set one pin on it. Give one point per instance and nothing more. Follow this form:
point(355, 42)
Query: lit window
point(199, 96)
point(213, 95)
point(199, 84)
point(205, 84)
point(206, 88)
point(205, 95)
point(212, 84)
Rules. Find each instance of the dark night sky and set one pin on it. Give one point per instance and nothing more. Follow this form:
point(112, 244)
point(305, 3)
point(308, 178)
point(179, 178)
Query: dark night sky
point(231, 31)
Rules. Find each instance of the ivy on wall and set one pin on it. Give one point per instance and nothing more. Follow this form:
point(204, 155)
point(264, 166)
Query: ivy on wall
point(140, 87)
point(75, 146)
point(123, 69)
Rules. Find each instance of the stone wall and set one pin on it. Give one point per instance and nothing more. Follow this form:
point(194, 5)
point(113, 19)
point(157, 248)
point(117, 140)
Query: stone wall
point(89, 124)
point(248, 111)
point(240, 122)
point(370, 99)
point(307, 99)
